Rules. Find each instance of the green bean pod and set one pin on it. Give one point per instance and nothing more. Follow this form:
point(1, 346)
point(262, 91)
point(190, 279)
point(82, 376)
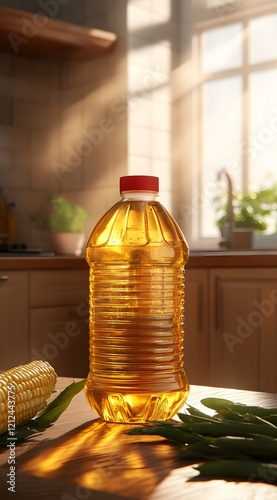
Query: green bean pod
point(194, 419)
point(239, 469)
point(219, 404)
point(248, 417)
point(272, 419)
point(228, 428)
point(228, 414)
point(169, 432)
point(195, 412)
point(256, 447)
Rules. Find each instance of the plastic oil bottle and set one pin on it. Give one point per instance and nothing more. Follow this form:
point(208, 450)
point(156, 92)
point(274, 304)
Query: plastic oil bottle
point(137, 256)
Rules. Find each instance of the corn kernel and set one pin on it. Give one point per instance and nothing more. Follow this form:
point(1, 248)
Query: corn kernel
point(33, 384)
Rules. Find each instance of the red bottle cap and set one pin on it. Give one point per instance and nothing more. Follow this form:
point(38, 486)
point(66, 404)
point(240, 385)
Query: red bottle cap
point(139, 183)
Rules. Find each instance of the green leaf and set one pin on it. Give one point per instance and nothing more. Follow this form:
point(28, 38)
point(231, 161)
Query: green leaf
point(19, 434)
point(66, 216)
point(46, 417)
point(53, 410)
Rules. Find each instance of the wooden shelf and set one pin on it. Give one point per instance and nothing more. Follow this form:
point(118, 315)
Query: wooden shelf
point(22, 33)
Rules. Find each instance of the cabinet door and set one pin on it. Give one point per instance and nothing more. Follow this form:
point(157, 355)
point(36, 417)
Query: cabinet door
point(58, 287)
point(234, 328)
point(14, 319)
point(243, 328)
point(196, 327)
point(267, 304)
point(60, 336)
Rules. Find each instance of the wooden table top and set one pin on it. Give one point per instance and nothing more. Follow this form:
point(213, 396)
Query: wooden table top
point(81, 457)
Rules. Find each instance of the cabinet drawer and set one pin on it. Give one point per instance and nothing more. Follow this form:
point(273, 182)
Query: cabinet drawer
point(14, 318)
point(60, 335)
point(58, 288)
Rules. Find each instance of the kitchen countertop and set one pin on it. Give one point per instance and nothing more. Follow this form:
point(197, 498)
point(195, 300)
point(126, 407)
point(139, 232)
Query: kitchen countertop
point(198, 259)
point(40, 263)
point(81, 456)
point(234, 258)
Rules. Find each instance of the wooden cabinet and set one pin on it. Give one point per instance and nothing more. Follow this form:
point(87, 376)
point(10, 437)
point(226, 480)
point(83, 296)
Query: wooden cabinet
point(14, 318)
point(196, 327)
point(58, 287)
point(59, 320)
point(230, 323)
point(231, 327)
point(243, 328)
point(268, 332)
point(44, 315)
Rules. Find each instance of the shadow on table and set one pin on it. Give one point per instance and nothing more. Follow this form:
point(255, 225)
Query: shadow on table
point(102, 456)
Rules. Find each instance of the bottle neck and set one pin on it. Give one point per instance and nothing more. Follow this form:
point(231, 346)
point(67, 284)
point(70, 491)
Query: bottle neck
point(139, 195)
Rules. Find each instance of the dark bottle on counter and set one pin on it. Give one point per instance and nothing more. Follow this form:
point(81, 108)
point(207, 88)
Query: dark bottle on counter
point(12, 225)
point(3, 228)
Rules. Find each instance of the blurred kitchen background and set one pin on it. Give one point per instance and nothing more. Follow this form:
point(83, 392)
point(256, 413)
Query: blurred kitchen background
point(189, 89)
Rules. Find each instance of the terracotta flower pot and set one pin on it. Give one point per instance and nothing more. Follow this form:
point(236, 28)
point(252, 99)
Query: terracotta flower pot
point(68, 243)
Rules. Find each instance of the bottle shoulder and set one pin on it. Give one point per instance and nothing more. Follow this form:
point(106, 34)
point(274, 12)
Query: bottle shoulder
point(138, 225)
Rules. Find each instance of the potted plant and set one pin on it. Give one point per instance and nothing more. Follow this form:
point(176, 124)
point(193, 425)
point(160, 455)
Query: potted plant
point(250, 211)
point(66, 223)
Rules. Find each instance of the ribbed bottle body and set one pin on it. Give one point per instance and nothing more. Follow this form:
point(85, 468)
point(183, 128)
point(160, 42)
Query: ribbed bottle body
point(137, 256)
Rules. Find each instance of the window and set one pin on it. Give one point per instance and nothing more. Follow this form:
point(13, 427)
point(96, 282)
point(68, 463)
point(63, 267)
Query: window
point(235, 112)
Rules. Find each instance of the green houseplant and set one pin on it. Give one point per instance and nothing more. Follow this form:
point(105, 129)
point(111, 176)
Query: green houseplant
point(66, 223)
point(240, 216)
point(250, 209)
point(66, 216)
point(247, 212)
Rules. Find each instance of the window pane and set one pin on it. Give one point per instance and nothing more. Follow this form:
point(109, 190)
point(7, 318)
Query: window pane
point(222, 138)
point(262, 148)
point(222, 48)
point(263, 39)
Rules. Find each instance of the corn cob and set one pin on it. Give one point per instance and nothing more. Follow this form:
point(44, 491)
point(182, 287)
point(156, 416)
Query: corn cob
point(24, 391)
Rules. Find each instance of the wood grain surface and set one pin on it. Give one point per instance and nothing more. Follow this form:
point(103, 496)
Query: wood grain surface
point(32, 35)
point(82, 457)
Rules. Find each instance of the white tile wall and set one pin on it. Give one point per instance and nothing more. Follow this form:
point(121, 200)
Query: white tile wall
point(140, 112)
point(162, 8)
point(45, 109)
point(139, 141)
point(6, 158)
point(139, 165)
point(6, 136)
point(152, 41)
point(6, 110)
point(50, 105)
point(139, 21)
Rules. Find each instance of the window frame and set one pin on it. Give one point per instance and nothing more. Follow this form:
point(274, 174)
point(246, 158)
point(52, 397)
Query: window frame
point(199, 78)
